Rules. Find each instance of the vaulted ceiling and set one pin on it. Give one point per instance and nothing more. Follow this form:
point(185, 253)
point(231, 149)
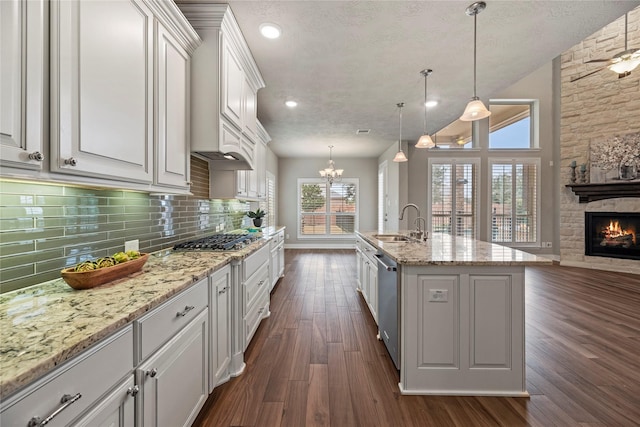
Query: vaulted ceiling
point(348, 63)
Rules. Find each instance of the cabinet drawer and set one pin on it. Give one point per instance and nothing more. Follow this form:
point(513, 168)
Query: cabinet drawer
point(255, 261)
point(254, 286)
point(157, 327)
point(85, 379)
point(252, 320)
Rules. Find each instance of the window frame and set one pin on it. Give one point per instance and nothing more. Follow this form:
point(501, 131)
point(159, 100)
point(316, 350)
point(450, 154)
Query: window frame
point(514, 161)
point(328, 214)
point(476, 161)
point(534, 120)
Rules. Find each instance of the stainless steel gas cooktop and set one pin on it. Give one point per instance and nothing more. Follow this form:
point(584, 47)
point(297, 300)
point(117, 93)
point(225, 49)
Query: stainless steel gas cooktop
point(218, 242)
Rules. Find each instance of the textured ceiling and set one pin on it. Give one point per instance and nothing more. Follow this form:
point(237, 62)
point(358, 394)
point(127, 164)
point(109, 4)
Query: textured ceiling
point(348, 63)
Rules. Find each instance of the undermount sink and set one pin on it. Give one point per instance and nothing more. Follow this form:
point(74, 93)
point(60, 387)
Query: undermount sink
point(391, 237)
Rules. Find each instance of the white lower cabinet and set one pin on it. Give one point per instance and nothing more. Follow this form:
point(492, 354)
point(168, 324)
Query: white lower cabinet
point(174, 381)
point(255, 295)
point(219, 326)
point(276, 266)
point(115, 410)
point(367, 275)
point(73, 389)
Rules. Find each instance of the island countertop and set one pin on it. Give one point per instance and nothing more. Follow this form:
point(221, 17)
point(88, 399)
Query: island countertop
point(444, 249)
point(44, 325)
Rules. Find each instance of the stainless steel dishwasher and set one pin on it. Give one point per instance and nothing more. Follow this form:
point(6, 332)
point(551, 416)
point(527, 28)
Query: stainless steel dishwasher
point(388, 306)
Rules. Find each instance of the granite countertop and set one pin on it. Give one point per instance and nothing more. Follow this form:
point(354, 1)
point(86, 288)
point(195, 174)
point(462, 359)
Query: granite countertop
point(444, 249)
point(45, 325)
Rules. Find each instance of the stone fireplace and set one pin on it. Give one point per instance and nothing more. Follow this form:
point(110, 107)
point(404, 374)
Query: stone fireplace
point(594, 109)
point(612, 234)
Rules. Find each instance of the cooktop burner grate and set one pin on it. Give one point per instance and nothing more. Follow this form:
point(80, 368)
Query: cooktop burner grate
point(217, 242)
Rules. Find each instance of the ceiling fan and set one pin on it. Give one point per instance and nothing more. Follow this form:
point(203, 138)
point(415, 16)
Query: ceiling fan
point(622, 63)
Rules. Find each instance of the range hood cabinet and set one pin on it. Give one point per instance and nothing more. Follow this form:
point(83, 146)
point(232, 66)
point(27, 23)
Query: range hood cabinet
point(224, 84)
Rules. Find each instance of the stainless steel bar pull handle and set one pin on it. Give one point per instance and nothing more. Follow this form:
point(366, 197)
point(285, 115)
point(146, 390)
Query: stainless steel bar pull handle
point(187, 308)
point(387, 267)
point(66, 401)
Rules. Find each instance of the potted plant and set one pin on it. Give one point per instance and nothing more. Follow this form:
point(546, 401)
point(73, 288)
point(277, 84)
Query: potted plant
point(256, 216)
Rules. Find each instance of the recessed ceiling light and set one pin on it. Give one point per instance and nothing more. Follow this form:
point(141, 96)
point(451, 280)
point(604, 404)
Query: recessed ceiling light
point(270, 31)
point(430, 104)
point(291, 104)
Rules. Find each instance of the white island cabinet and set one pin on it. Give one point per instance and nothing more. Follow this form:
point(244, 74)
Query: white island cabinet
point(461, 314)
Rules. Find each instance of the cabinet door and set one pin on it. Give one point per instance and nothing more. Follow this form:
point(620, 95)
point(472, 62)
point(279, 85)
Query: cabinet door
point(22, 87)
point(232, 85)
point(172, 154)
point(220, 315)
point(174, 382)
point(273, 267)
point(372, 279)
point(115, 410)
point(281, 260)
point(102, 89)
point(261, 170)
point(249, 111)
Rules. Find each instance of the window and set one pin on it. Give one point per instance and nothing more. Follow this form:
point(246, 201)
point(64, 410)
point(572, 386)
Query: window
point(514, 201)
point(327, 210)
point(456, 136)
point(453, 196)
point(271, 200)
point(512, 124)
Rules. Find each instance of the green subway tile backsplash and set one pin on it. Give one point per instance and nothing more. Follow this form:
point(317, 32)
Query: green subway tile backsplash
point(45, 228)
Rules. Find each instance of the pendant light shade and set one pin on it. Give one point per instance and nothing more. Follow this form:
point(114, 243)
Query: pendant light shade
point(475, 110)
point(425, 140)
point(400, 156)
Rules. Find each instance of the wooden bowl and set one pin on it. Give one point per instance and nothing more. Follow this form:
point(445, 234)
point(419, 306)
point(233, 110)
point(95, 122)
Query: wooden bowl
point(92, 278)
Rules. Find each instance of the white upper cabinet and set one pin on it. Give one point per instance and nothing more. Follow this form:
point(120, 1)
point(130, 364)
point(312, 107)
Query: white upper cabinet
point(102, 89)
point(225, 81)
point(22, 82)
point(249, 110)
point(173, 151)
point(232, 85)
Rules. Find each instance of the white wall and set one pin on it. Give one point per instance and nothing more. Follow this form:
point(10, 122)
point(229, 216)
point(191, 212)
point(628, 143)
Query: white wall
point(290, 169)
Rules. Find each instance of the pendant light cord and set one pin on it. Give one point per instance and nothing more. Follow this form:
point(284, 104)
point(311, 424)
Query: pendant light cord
point(626, 15)
point(400, 105)
point(425, 102)
point(475, 31)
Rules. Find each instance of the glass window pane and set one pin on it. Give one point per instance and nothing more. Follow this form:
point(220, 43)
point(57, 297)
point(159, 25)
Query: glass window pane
point(342, 224)
point(313, 198)
point(457, 135)
point(510, 125)
point(313, 224)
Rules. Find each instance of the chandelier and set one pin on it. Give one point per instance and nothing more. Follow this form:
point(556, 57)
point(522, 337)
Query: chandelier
point(331, 174)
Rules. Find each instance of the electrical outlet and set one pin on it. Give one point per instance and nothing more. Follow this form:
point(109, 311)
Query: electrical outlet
point(438, 295)
point(287, 236)
point(547, 244)
point(132, 245)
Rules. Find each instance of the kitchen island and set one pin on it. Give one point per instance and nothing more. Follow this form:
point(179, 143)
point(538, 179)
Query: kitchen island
point(460, 314)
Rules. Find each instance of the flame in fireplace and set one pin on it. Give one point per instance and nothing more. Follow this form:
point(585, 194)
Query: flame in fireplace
point(615, 233)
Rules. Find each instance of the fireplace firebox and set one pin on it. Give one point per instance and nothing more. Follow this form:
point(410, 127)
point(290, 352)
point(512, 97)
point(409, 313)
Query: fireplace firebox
point(612, 234)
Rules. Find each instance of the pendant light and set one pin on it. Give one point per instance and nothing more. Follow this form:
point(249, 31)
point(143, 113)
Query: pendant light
point(425, 140)
point(475, 108)
point(331, 174)
point(400, 156)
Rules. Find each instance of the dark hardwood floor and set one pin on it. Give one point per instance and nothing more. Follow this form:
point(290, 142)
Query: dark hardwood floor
point(316, 361)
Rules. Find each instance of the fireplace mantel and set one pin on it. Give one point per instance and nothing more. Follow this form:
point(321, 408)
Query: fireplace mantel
point(605, 190)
